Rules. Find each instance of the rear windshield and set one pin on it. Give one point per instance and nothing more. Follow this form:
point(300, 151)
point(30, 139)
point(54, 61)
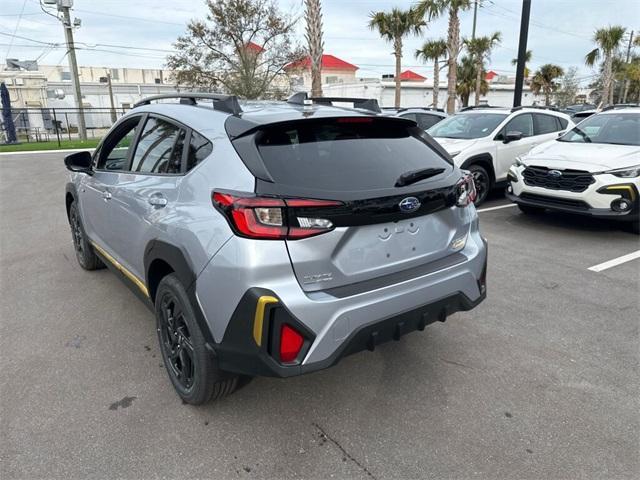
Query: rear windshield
point(345, 154)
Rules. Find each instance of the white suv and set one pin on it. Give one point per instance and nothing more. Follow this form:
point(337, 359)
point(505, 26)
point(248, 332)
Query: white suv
point(594, 170)
point(487, 140)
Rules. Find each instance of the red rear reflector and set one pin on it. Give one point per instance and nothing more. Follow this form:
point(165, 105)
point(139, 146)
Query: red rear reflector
point(290, 344)
point(355, 120)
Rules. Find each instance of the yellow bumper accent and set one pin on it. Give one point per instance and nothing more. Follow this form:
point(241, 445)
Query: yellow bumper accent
point(632, 191)
point(258, 321)
point(139, 283)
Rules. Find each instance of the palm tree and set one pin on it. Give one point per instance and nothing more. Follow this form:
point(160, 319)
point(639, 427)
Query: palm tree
point(393, 26)
point(527, 59)
point(480, 50)
point(315, 44)
point(608, 41)
point(434, 50)
point(435, 8)
point(544, 80)
point(466, 81)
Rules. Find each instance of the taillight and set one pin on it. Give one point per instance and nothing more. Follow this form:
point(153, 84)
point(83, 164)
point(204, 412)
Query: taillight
point(271, 218)
point(465, 190)
point(290, 344)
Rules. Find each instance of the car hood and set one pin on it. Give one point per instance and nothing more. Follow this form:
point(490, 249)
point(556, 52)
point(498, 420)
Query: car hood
point(453, 145)
point(592, 157)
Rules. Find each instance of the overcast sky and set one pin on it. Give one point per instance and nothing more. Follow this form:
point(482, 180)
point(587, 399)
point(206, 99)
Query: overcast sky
point(560, 32)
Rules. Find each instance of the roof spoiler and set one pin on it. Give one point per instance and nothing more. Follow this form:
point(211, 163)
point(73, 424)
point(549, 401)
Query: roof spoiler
point(301, 98)
point(221, 102)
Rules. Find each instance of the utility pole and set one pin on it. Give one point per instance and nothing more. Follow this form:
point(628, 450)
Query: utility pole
point(626, 81)
point(113, 106)
point(63, 7)
point(475, 18)
point(522, 52)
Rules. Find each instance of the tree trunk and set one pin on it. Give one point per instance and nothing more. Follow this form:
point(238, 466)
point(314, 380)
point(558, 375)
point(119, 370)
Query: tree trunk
point(453, 46)
point(606, 83)
point(626, 91)
point(398, 54)
point(547, 98)
point(315, 44)
point(478, 81)
point(436, 83)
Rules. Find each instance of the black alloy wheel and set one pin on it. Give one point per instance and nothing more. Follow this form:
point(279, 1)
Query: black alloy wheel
point(482, 181)
point(175, 341)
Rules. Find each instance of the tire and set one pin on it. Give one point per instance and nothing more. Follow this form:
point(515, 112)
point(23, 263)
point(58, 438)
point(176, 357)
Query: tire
point(529, 210)
point(192, 368)
point(85, 255)
point(482, 179)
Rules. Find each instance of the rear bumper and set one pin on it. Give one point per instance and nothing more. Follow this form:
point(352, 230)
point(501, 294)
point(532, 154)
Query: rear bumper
point(336, 326)
point(238, 352)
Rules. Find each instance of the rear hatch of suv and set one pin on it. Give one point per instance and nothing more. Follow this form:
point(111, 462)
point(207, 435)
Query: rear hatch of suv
point(367, 199)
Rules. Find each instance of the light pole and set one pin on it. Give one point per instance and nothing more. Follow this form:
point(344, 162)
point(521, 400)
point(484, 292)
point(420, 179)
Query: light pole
point(522, 52)
point(63, 8)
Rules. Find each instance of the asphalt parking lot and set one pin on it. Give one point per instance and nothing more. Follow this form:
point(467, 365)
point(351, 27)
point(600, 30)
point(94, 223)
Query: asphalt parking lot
point(540, 381)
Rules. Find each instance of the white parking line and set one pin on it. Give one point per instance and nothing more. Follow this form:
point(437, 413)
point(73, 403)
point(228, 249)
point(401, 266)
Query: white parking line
point(616, 261)
point(498, 207)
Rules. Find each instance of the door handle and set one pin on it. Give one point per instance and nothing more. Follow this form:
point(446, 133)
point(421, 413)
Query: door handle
point(106, 195)
point(158, 201)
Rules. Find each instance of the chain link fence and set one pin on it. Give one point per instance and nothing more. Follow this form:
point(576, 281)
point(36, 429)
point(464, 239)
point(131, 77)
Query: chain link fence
point(57, 124)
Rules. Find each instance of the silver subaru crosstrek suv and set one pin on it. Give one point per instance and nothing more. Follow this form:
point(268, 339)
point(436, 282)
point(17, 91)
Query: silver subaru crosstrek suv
point(275, 238)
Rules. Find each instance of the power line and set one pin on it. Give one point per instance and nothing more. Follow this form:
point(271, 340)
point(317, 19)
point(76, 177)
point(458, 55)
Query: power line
point(24, 4)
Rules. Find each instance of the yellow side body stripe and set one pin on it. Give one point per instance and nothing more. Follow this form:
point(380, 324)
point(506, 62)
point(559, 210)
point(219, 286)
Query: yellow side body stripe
point(139, 283)
point(258, 321)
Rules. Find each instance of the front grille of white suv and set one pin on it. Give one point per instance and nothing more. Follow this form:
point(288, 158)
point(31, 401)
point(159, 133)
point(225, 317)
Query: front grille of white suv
point(569, 180)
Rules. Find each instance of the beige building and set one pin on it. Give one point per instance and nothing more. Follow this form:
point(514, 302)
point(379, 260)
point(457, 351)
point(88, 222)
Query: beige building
point(60, 73)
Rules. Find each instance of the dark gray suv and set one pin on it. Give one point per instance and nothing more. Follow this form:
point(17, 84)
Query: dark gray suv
point(275, 238)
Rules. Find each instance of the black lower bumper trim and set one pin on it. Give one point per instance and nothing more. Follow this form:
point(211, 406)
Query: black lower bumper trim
point(551, 203)
point(238, 352)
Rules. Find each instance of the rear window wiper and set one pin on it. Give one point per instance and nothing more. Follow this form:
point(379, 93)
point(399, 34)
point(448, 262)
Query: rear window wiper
point(414, 176)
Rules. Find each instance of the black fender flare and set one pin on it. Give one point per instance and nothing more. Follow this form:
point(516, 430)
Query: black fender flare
point(181, 265)
point(70, 191)
point(485, 160)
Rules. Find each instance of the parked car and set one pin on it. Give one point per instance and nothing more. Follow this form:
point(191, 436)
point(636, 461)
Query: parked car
point(486, 140)
point(594, 169)
point(424, 117)
point(577, 117)
point(275, 239)
point(579, 107)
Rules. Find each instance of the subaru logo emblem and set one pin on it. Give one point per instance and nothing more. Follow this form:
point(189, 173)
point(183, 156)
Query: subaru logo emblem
point(554, 173)
point(409, 204)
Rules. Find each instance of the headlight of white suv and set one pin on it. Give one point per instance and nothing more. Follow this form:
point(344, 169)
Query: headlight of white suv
point(627, 172)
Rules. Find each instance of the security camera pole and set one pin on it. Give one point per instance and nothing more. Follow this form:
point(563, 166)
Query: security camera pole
point(64, 6)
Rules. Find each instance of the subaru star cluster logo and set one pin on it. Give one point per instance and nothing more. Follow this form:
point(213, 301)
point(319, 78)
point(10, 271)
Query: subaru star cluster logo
point(409, 204)
point(555, 173)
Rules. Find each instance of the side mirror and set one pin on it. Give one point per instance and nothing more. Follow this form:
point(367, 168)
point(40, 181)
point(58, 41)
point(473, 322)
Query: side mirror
point(79, 162)
point(512, 137)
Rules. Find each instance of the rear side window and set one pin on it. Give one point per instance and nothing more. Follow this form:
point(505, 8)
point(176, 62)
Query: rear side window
point(545, 124)
point(159, 148)
point(199, 149)
point(347, 154)
point(563, 122)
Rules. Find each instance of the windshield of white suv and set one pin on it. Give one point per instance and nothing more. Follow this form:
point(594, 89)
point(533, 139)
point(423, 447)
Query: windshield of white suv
point(611, 128)
point(467, 125)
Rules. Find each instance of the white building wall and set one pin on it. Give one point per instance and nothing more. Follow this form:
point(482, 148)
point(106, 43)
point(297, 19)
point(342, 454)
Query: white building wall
point(420, 94)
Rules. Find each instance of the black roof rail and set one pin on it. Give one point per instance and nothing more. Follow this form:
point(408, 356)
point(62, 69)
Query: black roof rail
point(221, 102)
point(473, 107)
point(620, 105)
point(538, 107)
point(370, 104)
point(403, 109)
